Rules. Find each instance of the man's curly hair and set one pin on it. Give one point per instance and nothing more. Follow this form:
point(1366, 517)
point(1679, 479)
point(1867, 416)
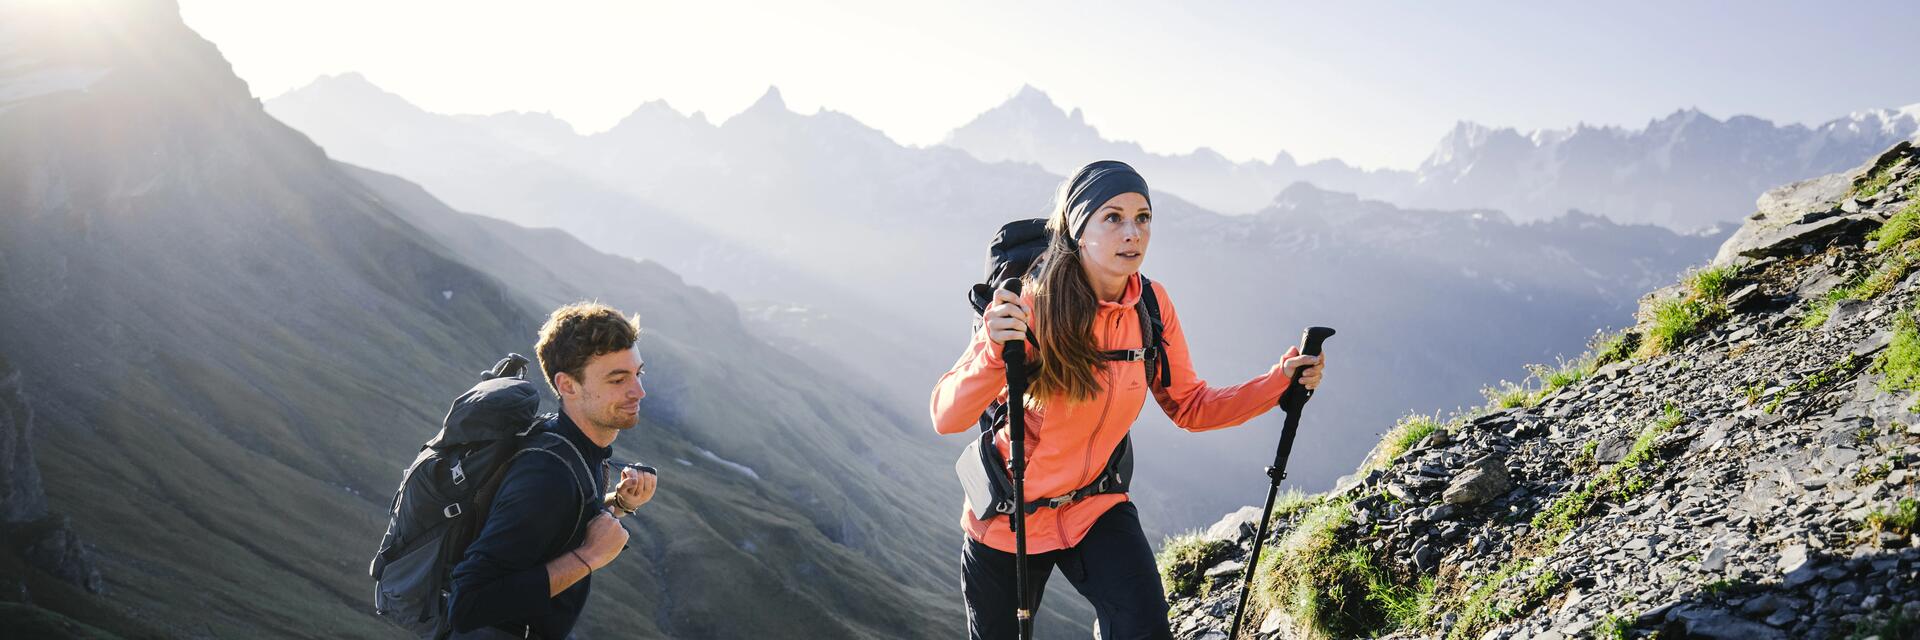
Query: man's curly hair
point(577, 332)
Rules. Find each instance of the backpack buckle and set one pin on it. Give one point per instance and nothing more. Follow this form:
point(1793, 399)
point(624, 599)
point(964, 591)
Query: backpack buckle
point(459, 475)
point(1053, 503)
point(452, 511)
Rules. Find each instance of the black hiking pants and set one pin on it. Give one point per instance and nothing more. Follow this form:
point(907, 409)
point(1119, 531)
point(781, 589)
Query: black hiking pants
point(1113, 567)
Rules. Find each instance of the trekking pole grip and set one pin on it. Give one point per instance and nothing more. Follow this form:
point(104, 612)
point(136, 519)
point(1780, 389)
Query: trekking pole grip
point(1013, 351)
point(1313, 339)
point(1311, 342)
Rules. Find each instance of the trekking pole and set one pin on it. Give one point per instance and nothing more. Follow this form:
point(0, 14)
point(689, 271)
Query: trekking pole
point(1291, 401)
point(1014, 352)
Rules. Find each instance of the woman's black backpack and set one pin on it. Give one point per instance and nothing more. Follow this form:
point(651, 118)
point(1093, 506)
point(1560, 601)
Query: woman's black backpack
point(981, 468)
point(444, 495)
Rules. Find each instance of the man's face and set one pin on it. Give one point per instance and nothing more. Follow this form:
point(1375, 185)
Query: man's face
point(608, 392)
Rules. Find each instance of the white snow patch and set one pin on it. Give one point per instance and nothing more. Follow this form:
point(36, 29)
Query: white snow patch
point(735, 466)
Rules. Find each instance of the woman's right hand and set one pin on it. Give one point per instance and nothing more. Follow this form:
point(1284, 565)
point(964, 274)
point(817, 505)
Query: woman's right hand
point(1007, 317)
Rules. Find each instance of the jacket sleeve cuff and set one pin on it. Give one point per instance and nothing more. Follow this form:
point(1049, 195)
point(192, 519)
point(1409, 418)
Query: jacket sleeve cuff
point(993, 355)
point(529, 590)
point(1273, 384)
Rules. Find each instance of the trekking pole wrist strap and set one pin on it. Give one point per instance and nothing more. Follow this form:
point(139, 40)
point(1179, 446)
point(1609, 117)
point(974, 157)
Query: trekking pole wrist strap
point(621, 505)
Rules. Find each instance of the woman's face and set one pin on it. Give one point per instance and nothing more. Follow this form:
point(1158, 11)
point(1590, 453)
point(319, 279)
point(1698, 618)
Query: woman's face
point(1115, 241)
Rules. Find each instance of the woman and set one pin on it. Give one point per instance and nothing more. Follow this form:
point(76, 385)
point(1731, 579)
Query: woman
point(1080, 303)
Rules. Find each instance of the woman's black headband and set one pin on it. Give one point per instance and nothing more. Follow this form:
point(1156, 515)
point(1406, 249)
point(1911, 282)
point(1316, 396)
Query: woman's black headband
point(1092, 186)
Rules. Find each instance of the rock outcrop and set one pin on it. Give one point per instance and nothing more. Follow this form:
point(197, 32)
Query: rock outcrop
point(21, 495)
point(45, 540)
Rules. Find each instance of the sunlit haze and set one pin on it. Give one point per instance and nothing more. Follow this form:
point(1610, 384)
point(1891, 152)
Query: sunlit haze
point(1352, 81)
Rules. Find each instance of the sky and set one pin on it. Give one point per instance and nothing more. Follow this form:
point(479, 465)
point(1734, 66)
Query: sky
point(1375, 84)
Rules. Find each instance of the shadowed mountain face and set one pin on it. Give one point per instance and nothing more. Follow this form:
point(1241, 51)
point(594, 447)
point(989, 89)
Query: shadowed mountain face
point(232, 345)
point(1431, 304)
point(1685, 171)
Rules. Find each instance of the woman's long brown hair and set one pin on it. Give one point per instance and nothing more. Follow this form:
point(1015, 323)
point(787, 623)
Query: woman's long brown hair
point(1063, 308)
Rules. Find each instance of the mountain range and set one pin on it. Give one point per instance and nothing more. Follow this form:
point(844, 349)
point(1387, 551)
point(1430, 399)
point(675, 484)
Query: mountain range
point(1686, 171)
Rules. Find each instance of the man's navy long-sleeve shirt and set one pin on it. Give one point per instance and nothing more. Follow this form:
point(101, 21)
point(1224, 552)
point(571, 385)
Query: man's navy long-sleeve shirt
point(502, 582)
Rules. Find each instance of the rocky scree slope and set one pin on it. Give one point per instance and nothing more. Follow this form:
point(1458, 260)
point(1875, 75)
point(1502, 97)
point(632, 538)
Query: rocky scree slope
point(1739, 464)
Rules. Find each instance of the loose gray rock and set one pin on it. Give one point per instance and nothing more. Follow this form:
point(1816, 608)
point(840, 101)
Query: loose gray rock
point(1730, 627)
point(1482, 481)
point(1239, 524)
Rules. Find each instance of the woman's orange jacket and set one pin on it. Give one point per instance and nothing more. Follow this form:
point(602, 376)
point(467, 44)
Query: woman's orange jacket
point(1068, 446)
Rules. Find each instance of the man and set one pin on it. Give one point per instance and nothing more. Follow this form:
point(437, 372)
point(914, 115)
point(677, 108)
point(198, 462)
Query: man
point(528, 573)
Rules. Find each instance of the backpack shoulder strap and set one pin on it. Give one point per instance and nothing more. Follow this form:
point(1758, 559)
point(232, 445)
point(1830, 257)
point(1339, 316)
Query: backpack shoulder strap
point(1153, 335)
point(556, 445)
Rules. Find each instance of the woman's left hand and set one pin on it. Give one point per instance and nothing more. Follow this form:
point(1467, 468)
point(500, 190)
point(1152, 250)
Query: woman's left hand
point(1316, 366)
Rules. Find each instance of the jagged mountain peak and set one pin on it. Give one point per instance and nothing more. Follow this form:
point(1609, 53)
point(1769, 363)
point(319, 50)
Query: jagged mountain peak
point(770, 102)
point(352, 89)
point(345, 81)
point(1681, 120)
point(1896, 122)
point(655, 114)
point(771, 109)
point(541, 121)
point(656, 107)
point(1305, 195)
point(1031, 97)
point(1030, 102)
point(351, 84)
point(1468, 138)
